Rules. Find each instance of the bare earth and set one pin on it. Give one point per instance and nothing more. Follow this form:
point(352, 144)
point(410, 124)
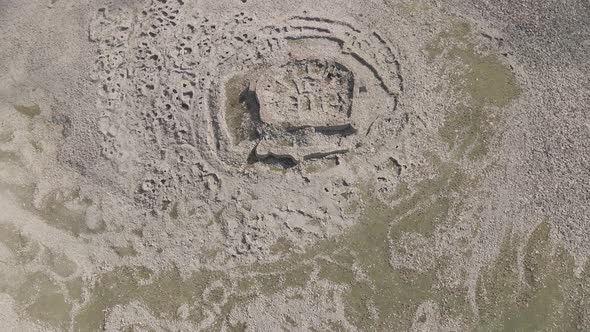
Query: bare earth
point(256, 165)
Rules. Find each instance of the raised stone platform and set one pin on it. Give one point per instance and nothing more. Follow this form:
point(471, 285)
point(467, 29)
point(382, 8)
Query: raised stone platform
point(306, 93)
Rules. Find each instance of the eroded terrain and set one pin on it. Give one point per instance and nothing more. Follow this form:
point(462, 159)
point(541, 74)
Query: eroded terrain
point(175, 165)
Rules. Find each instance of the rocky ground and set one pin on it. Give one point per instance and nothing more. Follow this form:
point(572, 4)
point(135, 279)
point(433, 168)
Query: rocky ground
point(254, 165)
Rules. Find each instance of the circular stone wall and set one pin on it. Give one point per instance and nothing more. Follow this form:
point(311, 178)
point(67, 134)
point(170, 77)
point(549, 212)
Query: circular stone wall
point(242, 114)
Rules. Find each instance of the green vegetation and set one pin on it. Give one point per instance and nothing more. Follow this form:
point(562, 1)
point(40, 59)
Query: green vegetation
point(550, 297)
point(30, 111)
point(482, 80)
